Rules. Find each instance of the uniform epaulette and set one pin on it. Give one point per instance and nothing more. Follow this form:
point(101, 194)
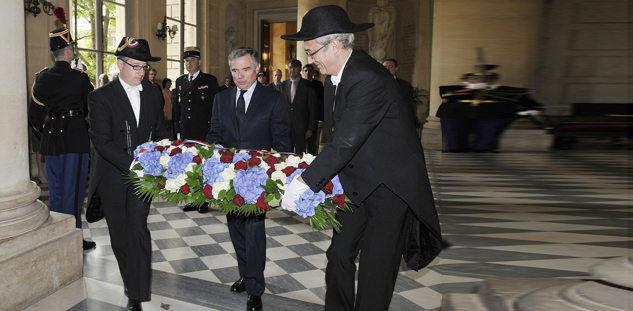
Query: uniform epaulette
point(43, 69)
point(80, 70)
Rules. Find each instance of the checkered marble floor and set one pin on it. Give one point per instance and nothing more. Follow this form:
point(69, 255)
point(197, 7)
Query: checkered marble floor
point(534, 214)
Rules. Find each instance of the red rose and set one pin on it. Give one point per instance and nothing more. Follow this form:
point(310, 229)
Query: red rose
point(238, 200)
point(252, 162)
point(227, 157)
point(339, 200)
point(261, 202)
point(208, 191)
point(176, 143)
point(241, 165)
point(328, 188)
point(270, 171)
point(159, 148)
point(161, 186)
point(271, 161)
point(185, 189)
point(255, 153)
point(303, 165)
point(197, 159)
point(289, 170)
point(189, 145)
point(175, 151)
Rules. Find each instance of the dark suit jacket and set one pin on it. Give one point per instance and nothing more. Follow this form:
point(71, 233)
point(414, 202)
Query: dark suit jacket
point(110, 115)
point(303, 111)
point(501, 103)
point(274, 86)
point(265, 124)
point(192, 108)
point(318, 90)
point(373, 140)
point(55, 90)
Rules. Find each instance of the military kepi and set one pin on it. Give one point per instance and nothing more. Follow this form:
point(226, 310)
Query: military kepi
point(60, 38)
point(191, 51)
point(136, 49)
point(325, 20)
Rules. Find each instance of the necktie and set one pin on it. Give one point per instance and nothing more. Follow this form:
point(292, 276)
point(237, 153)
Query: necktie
point(241, 108)
point(190, 82)
point(293, 90)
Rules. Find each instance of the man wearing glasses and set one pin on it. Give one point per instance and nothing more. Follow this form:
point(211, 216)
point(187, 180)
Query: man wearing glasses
point(380, 162)
point(124, 114)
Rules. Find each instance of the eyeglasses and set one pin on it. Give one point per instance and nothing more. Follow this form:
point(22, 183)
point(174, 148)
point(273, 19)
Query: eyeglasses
point(136, 67)
point(390, 66)
point(311, 55)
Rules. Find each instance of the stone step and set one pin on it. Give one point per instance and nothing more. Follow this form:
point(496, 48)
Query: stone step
point(462, 302)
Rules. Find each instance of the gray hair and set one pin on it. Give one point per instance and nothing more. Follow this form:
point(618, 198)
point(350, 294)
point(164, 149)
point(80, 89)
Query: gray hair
point(347, 39)
point(244, 50)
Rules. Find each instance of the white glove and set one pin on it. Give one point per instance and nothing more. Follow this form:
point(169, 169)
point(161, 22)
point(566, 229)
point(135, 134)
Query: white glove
point(529, 113)
point(178, 136)
point(293, 191)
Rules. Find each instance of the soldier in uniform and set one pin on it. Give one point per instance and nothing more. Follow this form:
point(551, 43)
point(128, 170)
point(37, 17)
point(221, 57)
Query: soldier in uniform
point(193, 101)
point(481, 106)
point(63, 92)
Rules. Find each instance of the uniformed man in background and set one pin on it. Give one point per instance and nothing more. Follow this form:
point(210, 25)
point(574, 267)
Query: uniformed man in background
point(193, 101)
point(63, 92)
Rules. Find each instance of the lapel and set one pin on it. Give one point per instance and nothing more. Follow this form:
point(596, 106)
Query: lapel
point(233, 109)
point(253, 106)
point(143, 130)
point(328, 96)
point(120, 96)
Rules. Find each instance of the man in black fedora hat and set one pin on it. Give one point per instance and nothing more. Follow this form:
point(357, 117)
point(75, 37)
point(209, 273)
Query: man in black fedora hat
point(124, 114)
point(60, 96)
point(374, 150)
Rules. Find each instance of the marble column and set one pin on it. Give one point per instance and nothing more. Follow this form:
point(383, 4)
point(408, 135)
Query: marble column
point(39, 251)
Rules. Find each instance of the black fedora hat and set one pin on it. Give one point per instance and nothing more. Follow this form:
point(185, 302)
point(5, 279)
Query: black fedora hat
point(325, 20)
point(136, 49)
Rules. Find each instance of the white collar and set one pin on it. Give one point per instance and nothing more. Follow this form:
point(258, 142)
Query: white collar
point(337, 78)
point(128, 87)
point(193, 76)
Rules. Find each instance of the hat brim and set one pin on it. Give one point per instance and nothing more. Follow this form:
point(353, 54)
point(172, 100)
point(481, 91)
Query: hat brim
point(304, 35)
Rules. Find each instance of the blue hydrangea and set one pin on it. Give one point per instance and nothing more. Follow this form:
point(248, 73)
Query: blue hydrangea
point(247, 183)
point(212, 170)
point(150, 161)
point(177, 164)
point(148, 145)
point(337, 189)
point(294, 174)
point(241, 157)
point(308, 201)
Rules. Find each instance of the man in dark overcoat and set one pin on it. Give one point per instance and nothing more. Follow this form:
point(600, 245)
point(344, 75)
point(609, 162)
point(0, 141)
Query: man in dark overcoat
point(62, 93)
point(375, 152)
point(124, 114)
point(192, 99)
point(250, 116)
point(302, 107)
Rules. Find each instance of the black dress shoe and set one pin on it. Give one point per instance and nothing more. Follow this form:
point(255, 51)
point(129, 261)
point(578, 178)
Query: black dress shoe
point(204, 208)
point(254, 303)
point(238, 286)
point(134, 305)
point(89, 245)
point(189, 208)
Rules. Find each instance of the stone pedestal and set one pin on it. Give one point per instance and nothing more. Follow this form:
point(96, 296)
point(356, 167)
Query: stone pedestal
point(35, 264)
point(432, 134)
point(612, 292)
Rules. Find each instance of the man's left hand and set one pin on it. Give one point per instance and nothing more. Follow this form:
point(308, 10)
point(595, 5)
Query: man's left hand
point(308, 134)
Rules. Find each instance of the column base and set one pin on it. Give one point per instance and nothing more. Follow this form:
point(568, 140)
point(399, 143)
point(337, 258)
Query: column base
point(37, 263)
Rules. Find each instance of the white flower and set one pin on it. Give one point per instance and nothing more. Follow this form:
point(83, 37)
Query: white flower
point(308, 158)
point(189, 167)
point(173, 185)
point(264, 165)
point(293, 161)
point(280, 166)
point(139, 173)
point(219, 186)
point(193, 150)
point(228, 173)
point(163, 142)
point(216, 154)
point(279, 175)
point(164, 160)
point(243, 151)
point(172, 147)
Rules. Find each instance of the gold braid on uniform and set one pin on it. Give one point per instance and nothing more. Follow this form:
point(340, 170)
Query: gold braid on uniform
point(507, 95)
point(32, 86)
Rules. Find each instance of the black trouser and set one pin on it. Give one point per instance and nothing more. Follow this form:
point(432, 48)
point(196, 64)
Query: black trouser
point(126, 216)
point(248, 235)
point(377, 229)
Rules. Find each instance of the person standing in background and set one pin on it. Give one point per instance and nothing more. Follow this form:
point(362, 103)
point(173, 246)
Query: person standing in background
point(168, 108)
